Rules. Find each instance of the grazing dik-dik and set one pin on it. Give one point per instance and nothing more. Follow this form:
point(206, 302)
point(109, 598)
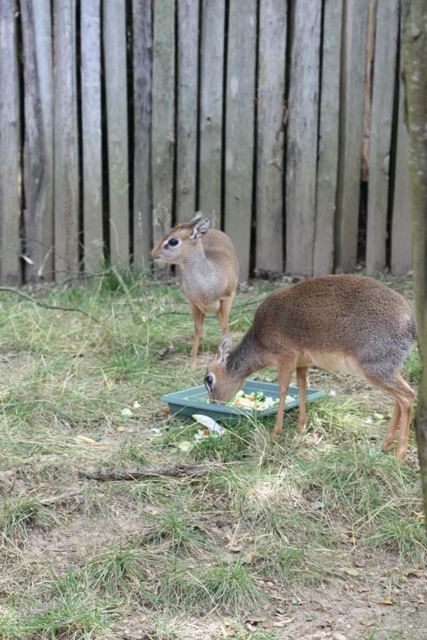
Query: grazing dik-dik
point(337, 322)
point(209, 268)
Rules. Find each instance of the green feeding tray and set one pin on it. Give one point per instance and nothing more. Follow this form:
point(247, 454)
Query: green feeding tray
point(189, 401)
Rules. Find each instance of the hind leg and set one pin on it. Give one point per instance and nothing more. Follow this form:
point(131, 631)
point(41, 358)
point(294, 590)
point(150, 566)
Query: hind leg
point(392, 427)
point(223, 313)
point(198, 317)
point(404, 397)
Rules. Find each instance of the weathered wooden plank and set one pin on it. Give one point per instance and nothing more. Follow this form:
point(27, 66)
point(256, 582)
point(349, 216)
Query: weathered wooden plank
point(270, 136)
point(163, 120)
point(381, 128)
point(187, 107)
point(115, 46)
point(301, 157)
point(367, 99)
point(327, 166)
point(351, 133)
point(66, 182)
point(142, 84)
point(38, 143)
point(10, 175)
point(239, 135)
point(90, 56)
point(401, 229)
point(211, 110)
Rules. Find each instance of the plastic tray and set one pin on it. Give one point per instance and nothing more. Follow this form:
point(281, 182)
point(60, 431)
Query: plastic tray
point(189, 401)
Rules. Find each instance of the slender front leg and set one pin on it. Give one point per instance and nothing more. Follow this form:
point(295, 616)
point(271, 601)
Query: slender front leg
point(198, 317)
point(302, 373)
point(286, 367)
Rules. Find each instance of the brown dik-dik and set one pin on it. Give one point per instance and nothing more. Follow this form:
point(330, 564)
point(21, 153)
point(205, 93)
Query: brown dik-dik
point(338, 322)
point(209, 268)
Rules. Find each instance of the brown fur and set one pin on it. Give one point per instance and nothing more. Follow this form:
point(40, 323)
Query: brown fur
point(339, 322)
point(209, 268)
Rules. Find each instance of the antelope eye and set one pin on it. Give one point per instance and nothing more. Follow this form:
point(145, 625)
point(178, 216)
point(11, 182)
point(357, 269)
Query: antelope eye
point(209, 381)
point(172, 242)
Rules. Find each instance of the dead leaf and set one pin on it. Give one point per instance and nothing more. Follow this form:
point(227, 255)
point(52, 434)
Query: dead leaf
point(386, 601)
point(276, 595)
point(88, 440)
point(350, 571)
point(248, 558)
point(282, 621)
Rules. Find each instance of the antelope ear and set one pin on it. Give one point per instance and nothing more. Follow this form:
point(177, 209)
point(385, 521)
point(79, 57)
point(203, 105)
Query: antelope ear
point(200, 228)
point(224, 349)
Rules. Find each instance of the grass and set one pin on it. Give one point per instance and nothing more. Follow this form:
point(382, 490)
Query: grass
point(267, 529)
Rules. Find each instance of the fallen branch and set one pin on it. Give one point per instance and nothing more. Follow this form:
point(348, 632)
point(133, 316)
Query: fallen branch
point(45, 305)
point(134, 474)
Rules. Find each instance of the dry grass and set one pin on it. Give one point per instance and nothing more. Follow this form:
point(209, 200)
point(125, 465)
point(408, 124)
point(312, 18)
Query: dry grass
point(246, 551)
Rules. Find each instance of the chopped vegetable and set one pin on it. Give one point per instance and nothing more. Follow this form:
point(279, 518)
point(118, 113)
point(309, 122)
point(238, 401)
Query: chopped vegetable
point(256, 401)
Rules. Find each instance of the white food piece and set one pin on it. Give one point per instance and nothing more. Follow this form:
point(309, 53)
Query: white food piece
point(209, 423)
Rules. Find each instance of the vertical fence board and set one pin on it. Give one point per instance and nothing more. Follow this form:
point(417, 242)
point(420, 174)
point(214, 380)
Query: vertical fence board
point(142, 79)
point(10, 175)
point(270, 136)
point(114, 36)
point(380, 138)
point(90, 57)
point(163, 120)
point(401, 236)
point(66, 179)
point(327, 167)
point(38, 144)
point(211, 109)
point(239, 137)
point(301, 158)
point(351, 132)
point(187, 98)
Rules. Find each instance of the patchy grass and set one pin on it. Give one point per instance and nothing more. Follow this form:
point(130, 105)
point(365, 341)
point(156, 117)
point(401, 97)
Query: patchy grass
point(320, 532)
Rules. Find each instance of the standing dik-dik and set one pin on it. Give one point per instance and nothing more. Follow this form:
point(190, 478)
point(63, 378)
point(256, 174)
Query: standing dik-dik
point(338, 322)
point(209, 268)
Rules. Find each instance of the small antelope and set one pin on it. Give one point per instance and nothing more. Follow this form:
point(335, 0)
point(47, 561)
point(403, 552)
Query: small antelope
point(209, 268)
point(337, 322)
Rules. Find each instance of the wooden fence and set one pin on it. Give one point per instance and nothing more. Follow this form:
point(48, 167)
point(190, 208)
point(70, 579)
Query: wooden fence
point(282, 120)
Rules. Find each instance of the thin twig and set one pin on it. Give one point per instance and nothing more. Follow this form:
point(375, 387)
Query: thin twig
point(182, 471)
point(26, 296)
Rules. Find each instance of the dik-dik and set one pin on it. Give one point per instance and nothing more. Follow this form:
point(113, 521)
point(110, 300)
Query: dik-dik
point(337, 322)
point(209, 268)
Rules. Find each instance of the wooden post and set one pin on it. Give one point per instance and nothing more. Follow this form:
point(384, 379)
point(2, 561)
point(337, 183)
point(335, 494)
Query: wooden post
point(163, 119)
point(142, 84)
point(239, 136)
point(270, 136)
point(211, 110)
point(301, 158)
point(401, 232)
point(327, 166)
point(115, 46)
point(38, 144)
point(186, 153)
point(353, 70)
point(66, 189)
point(10, 174)
point(380, 138)
point(90, 57)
